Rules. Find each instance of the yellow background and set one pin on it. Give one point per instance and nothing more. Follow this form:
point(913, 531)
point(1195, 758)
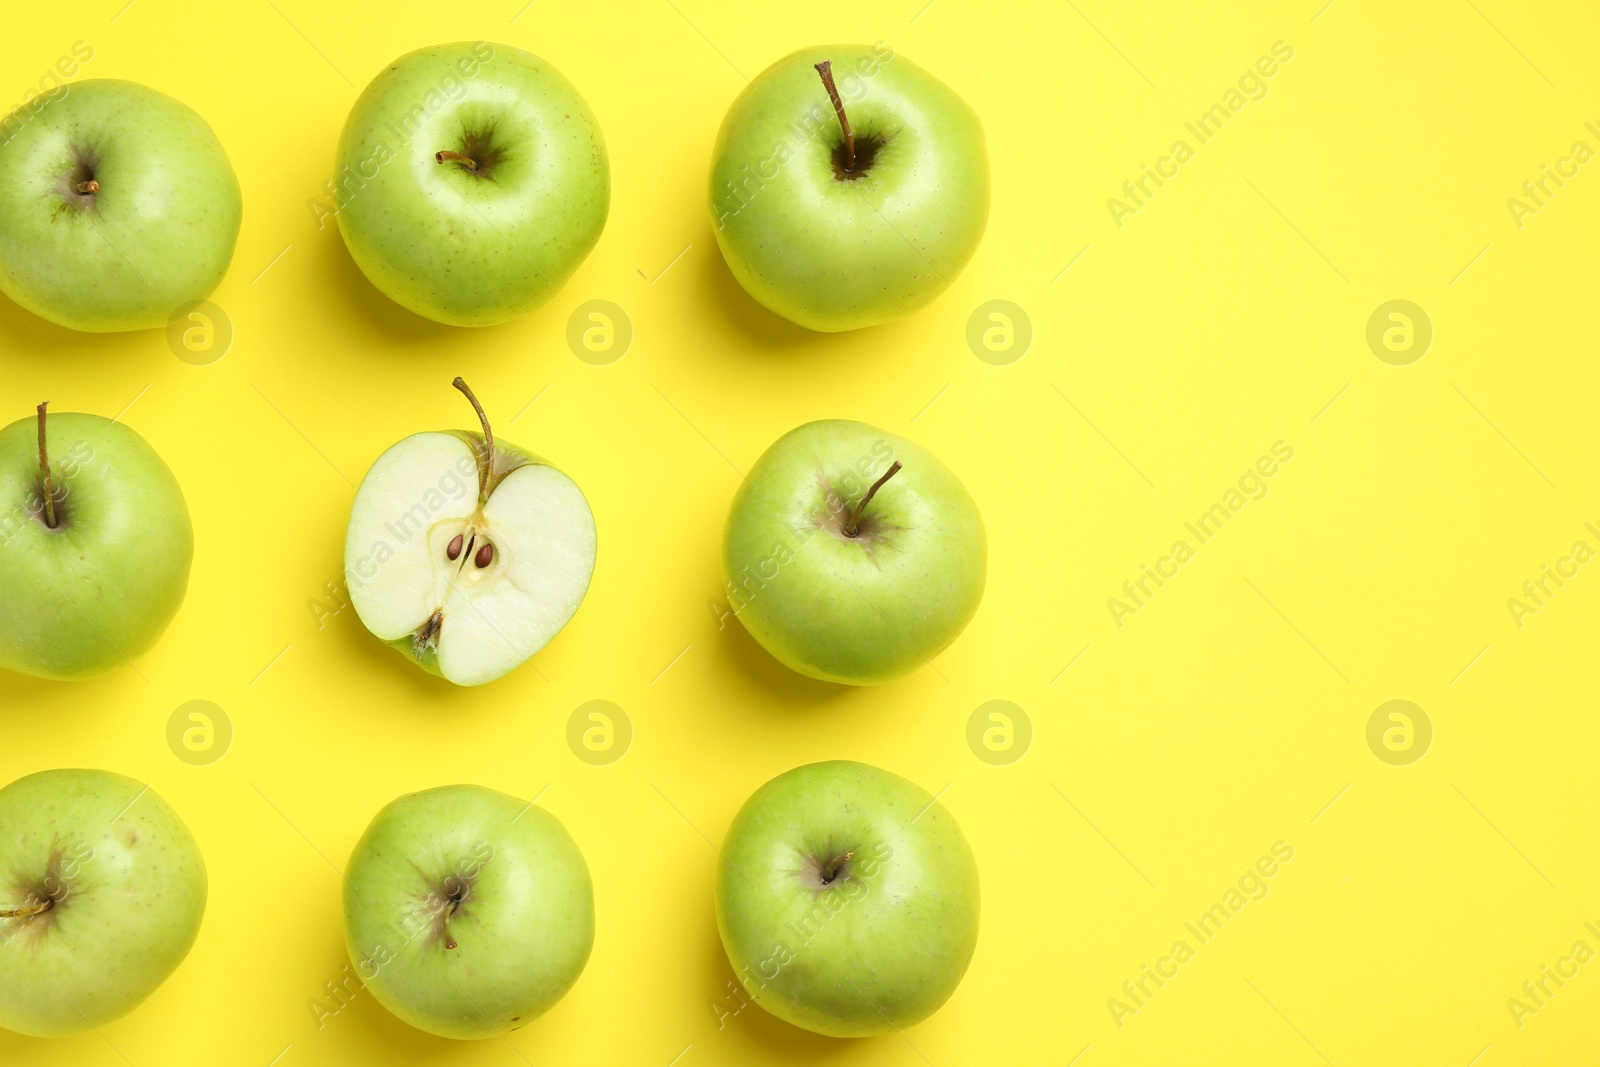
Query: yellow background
point(1226, 715)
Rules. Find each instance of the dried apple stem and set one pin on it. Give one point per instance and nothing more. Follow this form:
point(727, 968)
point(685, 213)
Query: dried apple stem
point(834, 866)
point(44, 471)
point(485, 467)
point(27, 911)
point(852, 527)
point(456, 157)
point(825, 68)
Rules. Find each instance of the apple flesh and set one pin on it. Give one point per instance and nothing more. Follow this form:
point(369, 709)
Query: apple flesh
point(847, 899)
point(466, 552)
point(835, 230)
point(102, 889)
point(117, 206)
point(472, 180)
point(93, 568)
point(851, 554)
point(468, 912)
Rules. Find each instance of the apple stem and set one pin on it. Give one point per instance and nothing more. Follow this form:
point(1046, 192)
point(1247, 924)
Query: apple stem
point(456, 157)
point(44, 470)
point(27, 911)
point(834, 866)
point(485, 468)
point(90, 186)
point(825, 68)
point(852, 527)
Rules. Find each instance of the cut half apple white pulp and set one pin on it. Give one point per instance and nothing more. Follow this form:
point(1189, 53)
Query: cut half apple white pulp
point(466, 553)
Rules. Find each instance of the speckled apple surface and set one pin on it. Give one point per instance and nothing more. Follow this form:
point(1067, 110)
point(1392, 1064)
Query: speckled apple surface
point(470, 912)
point(1132, 774)
point(99, 587)
point(158, 233)
point(841, 592)
point(117, 886)
point(848, 899)
point(480, 241)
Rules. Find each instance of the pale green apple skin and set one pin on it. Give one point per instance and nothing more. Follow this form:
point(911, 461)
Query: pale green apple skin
point(522, 934)
point(857, 610)
point(832, 254)
point(461, 248)
point(132, 889)
point(887, 942)
point(100, 588)
point(160, 231)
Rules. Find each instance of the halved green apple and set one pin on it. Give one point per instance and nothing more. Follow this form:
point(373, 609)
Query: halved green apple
point(466, 553)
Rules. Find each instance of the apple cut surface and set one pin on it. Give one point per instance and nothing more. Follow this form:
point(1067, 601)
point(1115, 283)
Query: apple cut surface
point(468, 589)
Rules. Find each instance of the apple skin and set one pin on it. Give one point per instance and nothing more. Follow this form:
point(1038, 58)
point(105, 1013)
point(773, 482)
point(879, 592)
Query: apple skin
point(101, 587)
point(884, 943)
point(514, 943)
point(126, 886)
point(857, 610)
point(833, 254)
point(464, 248)
point(160, 231)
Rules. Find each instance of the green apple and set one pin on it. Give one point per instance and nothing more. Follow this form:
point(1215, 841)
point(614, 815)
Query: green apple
point(102, 889)
point(95, 545)
point(117, 206)
point(467, 912)
point(466, 552)
point(851, 554)
point(471, 181)
point(847, 899)
point(848, 187)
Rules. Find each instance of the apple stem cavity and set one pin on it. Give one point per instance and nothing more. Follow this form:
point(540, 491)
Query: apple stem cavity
point(44, 471)
point(852, 526)
point(825, 68)
point(486, 463)
point(448, 156)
